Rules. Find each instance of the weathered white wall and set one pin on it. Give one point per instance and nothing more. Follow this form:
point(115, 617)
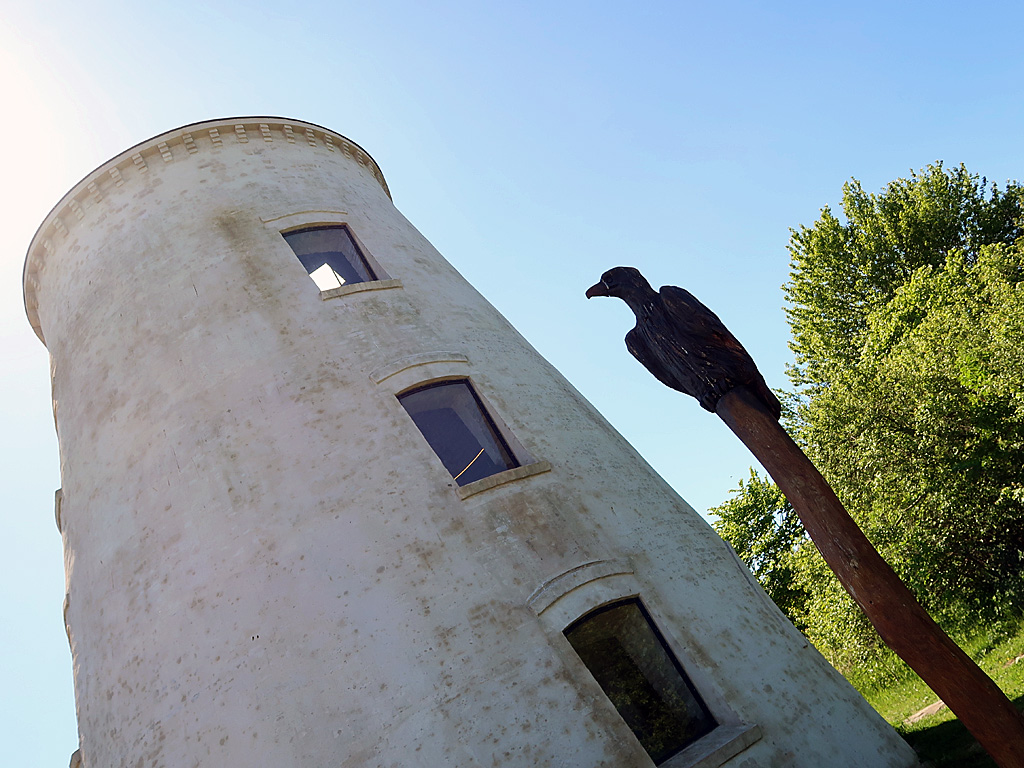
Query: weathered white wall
point(267, 565)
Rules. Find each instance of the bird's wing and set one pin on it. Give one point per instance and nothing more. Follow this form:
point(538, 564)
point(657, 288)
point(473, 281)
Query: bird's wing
point(640, 349)
point(716, 344)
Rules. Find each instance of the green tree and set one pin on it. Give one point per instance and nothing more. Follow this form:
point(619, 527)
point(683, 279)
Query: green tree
point(923, 436)
point(908, 333)
point(841, 271)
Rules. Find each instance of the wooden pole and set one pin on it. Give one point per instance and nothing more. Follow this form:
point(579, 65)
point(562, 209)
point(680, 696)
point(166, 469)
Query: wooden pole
point(887, 602)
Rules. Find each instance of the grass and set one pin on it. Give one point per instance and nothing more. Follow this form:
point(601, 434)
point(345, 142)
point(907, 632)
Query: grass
point(940, 739)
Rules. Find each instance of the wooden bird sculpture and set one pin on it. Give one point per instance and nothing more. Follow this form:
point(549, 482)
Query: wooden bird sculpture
point(682, 342)
point(686, 347)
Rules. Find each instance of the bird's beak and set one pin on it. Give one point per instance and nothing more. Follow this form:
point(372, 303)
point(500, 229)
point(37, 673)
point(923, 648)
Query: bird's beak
point(600, 289)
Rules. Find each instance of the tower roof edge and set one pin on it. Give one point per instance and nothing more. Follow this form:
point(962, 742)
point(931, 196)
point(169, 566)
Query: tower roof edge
point(163, 146)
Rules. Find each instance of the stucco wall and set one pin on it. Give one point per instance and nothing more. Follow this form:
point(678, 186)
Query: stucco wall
point(268, 565)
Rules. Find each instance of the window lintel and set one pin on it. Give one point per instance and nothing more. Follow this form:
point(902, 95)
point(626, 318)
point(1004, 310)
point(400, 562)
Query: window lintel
point(395, 367)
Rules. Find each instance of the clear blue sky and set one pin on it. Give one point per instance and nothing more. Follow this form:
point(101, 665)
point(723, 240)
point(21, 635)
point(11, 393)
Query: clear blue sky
point(536, 145)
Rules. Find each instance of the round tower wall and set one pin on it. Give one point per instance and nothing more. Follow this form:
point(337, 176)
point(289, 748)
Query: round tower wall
point(266, 560)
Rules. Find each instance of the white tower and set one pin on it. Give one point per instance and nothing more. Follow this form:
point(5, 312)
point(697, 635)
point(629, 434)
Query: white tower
point(360, 521)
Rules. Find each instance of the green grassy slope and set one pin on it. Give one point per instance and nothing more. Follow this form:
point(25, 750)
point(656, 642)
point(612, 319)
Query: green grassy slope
point(939, 738)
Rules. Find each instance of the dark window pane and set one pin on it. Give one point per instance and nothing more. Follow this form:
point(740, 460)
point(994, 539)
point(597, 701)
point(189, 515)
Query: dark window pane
point(330, 256)
point(461, 433)
point(629, 659)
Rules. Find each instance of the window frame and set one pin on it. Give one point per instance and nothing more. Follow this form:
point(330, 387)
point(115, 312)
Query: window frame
point(578, 591)
point(296, 221)
point(407, 373)
point(360, 252)
point(684, 677)
point(490, 422)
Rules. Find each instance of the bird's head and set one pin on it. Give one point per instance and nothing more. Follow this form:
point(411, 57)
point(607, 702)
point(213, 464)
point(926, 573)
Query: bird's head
point(619, 282)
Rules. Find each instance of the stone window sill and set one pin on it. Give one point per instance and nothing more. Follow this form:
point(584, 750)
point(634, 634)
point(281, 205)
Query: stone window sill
point(371, 285)
point(717, 748)
point(508, 476)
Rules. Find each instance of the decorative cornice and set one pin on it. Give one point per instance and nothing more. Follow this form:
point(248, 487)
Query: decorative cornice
point(170, 147)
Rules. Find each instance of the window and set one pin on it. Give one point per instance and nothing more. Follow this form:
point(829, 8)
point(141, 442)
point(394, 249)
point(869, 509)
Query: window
point(330, 255)
point(629, 659)
point(459, 429)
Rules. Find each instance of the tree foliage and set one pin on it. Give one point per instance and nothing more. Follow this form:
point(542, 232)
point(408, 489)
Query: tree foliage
point(924, 437)
point(841, 272)
point(908, 332)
